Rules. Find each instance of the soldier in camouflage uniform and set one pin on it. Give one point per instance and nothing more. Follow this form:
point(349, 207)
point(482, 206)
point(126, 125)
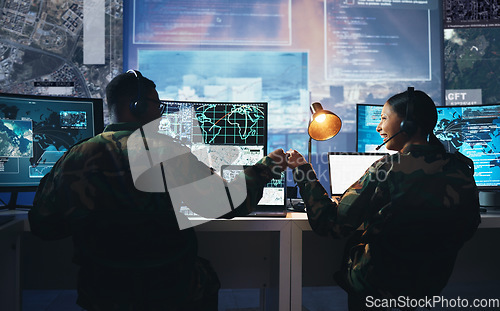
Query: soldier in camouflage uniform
point(131, 253)
point(416, 208)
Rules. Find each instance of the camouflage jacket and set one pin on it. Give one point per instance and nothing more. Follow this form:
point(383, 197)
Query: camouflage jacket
point(416, 209)
point(89, 194)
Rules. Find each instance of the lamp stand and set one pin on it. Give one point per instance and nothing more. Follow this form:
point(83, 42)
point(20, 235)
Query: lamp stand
point(309, 150)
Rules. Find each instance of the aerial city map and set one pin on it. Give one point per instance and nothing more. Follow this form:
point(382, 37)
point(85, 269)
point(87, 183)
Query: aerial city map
point(41, 44)
point(471, 48)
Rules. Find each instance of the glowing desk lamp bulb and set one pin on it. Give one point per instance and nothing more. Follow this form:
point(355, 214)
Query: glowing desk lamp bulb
point(323, 125)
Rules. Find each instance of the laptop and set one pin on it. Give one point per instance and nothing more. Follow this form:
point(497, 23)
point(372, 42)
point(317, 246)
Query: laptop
point(273, 201)
point(347, 167)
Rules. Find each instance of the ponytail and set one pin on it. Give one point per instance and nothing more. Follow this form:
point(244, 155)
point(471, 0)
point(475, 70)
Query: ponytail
point(434, 141)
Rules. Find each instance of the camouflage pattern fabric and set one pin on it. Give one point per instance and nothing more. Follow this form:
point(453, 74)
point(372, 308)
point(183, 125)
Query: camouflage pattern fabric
point(127, 242)
point(415, 209)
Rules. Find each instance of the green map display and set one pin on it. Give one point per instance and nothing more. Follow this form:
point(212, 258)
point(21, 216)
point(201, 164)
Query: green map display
point(231, 124)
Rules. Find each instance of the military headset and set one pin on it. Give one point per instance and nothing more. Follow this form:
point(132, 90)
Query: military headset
point(138, 105)
point(409, 125)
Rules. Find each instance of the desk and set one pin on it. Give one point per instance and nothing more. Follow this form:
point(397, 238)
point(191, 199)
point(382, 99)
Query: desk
point(281, 225)
point(300, 224)
point(10, 264)
point(290, 230)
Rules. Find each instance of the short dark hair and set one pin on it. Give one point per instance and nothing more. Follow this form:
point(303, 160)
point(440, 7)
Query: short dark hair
point(123, 89)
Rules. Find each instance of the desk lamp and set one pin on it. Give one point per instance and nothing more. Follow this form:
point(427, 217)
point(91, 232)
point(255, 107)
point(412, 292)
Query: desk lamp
point(323, 125)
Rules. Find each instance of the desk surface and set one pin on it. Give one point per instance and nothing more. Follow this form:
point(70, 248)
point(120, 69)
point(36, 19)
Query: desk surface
point(490, 219)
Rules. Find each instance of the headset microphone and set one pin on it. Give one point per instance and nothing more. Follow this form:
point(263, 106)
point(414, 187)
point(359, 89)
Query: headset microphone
point(385, 142)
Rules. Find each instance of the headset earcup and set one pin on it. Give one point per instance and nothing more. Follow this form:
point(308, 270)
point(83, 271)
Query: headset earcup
point(137, 105)
point(133, 108)
point(409, 127)
point(137, 108)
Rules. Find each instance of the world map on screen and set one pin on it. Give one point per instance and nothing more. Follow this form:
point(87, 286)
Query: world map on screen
point(475, 132)
point(230, 124)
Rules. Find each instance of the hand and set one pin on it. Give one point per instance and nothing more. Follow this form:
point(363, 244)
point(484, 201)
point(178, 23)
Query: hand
point(279, 157)
point(295, 159)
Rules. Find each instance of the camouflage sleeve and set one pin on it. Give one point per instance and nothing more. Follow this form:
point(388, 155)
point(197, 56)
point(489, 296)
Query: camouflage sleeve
point(468, 216)
point(89, 175)
point(256, 176)
point(324, 215)
point(52, 204)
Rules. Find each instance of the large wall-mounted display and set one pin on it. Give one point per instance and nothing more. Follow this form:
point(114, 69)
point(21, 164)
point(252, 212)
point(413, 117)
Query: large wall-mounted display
point(287, 53)
point(471, 52)
point(52, 48)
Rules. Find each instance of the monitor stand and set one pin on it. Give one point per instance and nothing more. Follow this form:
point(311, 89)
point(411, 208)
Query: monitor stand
point(11, 204)
point(13, 200)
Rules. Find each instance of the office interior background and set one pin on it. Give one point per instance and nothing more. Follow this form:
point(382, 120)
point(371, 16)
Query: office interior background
point(288, 53)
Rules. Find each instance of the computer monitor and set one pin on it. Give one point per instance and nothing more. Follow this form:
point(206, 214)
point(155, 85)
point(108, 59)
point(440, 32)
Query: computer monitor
point(234, 135)
point(473, 130)
point(35, 131)
point(367, 119)
point(241, 128)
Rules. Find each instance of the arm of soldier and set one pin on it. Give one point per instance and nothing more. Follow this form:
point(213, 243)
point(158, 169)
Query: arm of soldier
point(321, 210)
point(469, 216)
point(354, 205)
point(47, 217)
point(75, 186)
point(340, 216)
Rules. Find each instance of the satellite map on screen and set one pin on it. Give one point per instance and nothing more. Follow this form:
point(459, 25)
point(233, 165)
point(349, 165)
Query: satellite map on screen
point(39, 134)
point(41, 48)
point(472, 57)
point(471, 47)
point(16, 138)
